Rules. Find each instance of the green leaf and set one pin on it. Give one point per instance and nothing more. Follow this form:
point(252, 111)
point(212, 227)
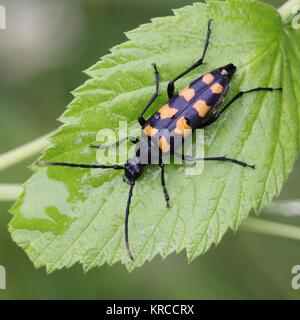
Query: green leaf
point(69, 215)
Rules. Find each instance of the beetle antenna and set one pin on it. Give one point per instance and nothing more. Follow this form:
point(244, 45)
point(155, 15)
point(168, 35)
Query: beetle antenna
point(132, 183)
point(79, 165)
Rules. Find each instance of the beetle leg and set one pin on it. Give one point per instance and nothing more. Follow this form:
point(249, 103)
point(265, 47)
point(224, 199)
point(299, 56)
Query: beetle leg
point(171, 86)
point(223, 158)
point(141, 118)
point(217, 114)
point(213, 118)
point(163, 183)
point(242, 93)
point(134, 140)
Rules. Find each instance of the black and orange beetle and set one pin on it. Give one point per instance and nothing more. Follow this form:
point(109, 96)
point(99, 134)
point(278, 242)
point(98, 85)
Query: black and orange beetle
point(192, 108)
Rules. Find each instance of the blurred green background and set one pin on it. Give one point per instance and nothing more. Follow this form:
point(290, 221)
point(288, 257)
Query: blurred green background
point(43, 51)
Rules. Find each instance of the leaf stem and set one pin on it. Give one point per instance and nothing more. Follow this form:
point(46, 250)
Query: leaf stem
point(272, 228)
point(10, 192)
point(286, 10)
point(21, 153)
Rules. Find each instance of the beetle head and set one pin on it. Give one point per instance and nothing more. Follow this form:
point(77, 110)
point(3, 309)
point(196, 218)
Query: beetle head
point(228, 70)
point(133, 169)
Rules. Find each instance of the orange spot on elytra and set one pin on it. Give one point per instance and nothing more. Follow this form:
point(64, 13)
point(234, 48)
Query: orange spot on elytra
point(201, 107)
point(208, 78)
point(182, 128)
point(167, 112)
point(188, 94)
point(150, 131)
point(217, 88)
point(164, 144)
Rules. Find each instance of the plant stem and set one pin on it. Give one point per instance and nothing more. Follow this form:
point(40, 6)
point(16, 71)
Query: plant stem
point(10, 192)
point(285, 208)
point(21, 153)
point(272, 228)
point(286, 10)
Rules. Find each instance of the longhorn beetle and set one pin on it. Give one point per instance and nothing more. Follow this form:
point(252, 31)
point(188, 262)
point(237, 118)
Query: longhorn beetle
point(192, 108)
